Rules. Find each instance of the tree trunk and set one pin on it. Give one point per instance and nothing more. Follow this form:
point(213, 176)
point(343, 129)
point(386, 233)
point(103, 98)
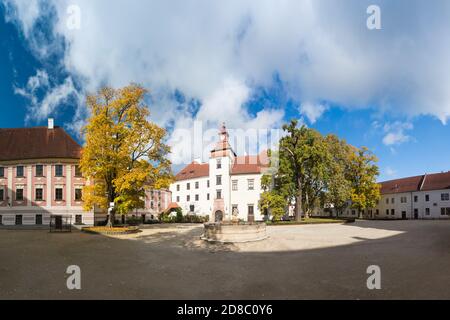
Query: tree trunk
point(110, 222)
point(298, 201)
point(298, 207)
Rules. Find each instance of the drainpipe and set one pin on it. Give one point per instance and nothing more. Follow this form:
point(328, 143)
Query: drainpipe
point(412, 205)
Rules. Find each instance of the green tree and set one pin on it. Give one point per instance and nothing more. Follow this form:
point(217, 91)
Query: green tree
point(124, 152)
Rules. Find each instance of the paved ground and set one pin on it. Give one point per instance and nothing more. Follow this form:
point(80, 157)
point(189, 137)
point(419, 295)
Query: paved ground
point(296, 262)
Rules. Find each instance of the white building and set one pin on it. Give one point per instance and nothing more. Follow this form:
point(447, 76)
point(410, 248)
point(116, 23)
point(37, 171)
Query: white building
point(225, 185)
point(421, 197)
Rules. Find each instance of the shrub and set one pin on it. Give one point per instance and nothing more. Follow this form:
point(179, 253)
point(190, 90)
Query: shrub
point(133, 221)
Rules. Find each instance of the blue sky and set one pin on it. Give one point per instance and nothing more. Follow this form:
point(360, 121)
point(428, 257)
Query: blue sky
point(243, 62)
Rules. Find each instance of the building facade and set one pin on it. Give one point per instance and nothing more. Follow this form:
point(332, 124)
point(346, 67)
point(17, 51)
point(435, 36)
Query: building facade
point(225, 186)
point(420, 197)
point(40, 177)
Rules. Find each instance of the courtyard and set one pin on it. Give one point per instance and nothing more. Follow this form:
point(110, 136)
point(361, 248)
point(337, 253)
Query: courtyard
point(327, 261)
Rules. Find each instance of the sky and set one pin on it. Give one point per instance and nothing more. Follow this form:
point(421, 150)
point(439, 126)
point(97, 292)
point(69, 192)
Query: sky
point(251, 64)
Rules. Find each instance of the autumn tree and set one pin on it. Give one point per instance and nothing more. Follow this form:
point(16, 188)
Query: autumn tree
point(124, 152)
point(339, 188)
point(363, 172)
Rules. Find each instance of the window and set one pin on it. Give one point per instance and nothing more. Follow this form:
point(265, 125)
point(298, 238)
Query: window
point(1, 219)
point(78, 171)
point(188, 198)
point(19, 171)
point(18, 219)
point(58, 194)
point(207, 183)
point(178, 198)
point(442, 211)
point(191, 208)
point(152, 205)
point(219, 163)
point(39, 219)
point(393, 200)
point(387, 212)
point(207, 196)
point(39, 170)
point(234, 185)
point(427, 211)
point(427, 197)
point(377, 212)
point(445, 211)
point(2, 194)
point(218, 180)
point(196, 185)
point(393, 212)
point(196, 197)
point(353, 212)
point(218, 194)
point(78, 194)
point(403, 200)
point(58, 170)
point(178, 187)
point(19, 194)
point(39, 195)
point(188, 186)
point(2, 172)
point(444, 196)
point(387, 200)
point(78, 219)
point(416, 198)
point(251, 184)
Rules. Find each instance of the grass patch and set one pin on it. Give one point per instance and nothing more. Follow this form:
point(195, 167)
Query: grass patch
point(310, 221)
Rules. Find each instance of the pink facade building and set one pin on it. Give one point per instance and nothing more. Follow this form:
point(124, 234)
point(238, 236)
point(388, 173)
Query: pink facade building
point(39, 176)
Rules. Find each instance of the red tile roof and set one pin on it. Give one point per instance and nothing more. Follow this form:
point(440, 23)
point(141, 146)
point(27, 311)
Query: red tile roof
point(193, 170)
point(401, 185)
point(437, 181)
point(427, 182)
point(242, 165)
point(172, 205)
point(37, 143)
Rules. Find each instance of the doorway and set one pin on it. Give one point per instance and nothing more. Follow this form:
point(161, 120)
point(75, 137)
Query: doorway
point(18, 219)
point(416, 213)
point(251, 213)
point(218, 216)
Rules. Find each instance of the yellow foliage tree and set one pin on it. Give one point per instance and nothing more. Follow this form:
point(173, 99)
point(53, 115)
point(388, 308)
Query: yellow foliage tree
point(124, 152)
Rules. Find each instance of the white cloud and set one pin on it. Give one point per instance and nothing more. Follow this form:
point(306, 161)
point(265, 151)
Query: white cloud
point(395, 133)
point(390, 172)
point(221, 51)
point(42, 108)
point(312, 111)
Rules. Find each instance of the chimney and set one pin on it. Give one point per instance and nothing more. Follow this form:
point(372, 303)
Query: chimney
point(50, 123)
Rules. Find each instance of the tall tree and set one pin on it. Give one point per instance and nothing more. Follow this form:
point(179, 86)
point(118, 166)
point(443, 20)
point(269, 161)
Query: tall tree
point(339, 187)
point(363, 174)
point(303, 160)
point(124, 152)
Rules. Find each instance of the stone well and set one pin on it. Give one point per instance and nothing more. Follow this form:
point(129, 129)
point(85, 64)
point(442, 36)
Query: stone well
point(234, 232)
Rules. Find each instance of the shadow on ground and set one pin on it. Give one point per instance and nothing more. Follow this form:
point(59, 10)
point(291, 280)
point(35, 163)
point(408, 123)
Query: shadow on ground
point(169, 264)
